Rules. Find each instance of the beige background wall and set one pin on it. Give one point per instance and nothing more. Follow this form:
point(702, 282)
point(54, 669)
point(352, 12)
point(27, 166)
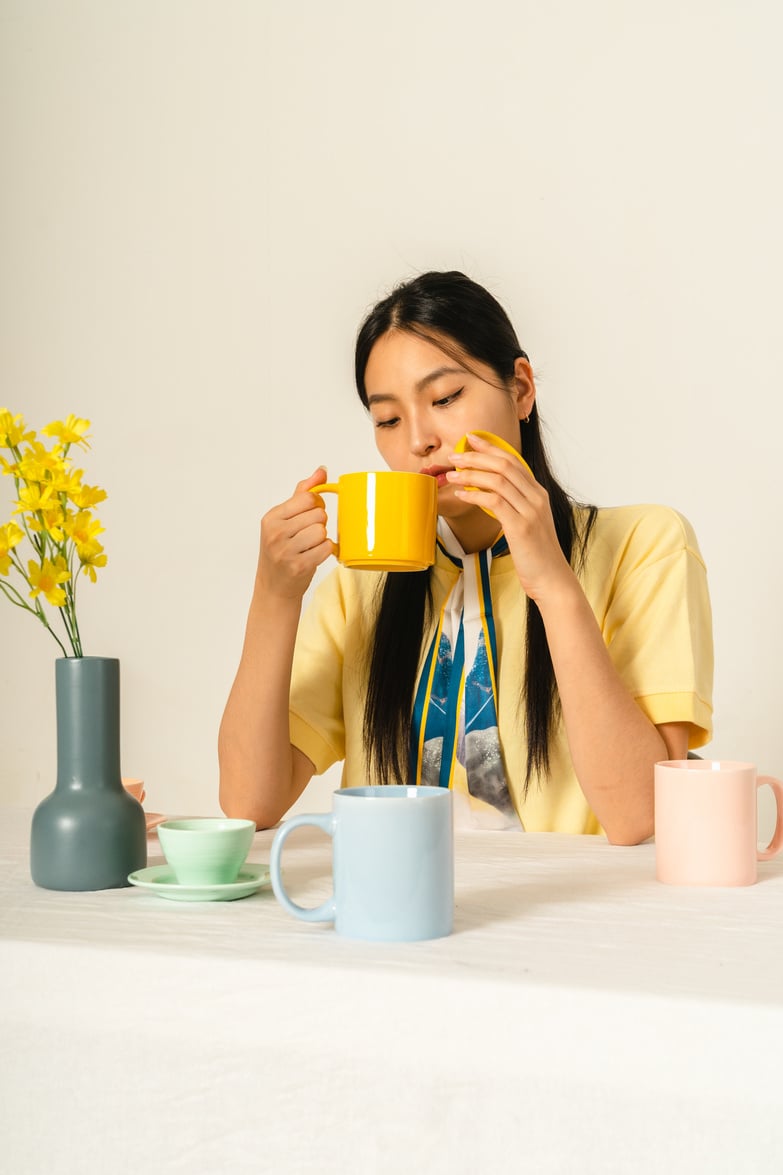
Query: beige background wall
point(200, 199)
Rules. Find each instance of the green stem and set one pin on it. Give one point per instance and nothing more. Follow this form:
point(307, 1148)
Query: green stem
point(36, 609)
point(77, 634)
point(12, 592)
point(68, 620)
point(37, 612)
point(70, 594)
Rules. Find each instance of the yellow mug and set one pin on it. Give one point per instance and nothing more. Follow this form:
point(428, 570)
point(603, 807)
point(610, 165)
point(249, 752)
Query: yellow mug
point(385, 521)
point(464, 446)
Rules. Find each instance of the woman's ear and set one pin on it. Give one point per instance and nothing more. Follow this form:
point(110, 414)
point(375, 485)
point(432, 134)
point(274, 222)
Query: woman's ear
point(524, 387)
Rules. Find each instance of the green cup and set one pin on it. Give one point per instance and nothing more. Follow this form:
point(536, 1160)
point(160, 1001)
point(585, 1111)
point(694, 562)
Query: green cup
point(207, 850)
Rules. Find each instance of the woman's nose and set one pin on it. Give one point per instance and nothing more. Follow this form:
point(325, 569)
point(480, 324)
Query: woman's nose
point(423, 441)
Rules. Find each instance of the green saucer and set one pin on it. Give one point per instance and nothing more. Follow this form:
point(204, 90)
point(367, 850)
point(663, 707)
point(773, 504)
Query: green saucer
point(160, 880)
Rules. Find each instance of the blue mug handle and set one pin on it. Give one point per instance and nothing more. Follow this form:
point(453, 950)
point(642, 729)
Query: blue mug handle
point(326, 911)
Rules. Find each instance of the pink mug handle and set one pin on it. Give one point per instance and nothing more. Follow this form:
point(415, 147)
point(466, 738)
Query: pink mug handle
point(776, 844)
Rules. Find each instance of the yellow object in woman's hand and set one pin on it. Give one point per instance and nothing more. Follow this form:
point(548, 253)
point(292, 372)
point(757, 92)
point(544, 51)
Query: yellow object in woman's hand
point(464, 446)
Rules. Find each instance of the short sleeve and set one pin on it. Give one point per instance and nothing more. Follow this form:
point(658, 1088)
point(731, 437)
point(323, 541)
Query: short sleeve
point(317, 726)
point(658, 622)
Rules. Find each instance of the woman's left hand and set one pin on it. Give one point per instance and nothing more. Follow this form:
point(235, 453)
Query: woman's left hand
point(507, 487)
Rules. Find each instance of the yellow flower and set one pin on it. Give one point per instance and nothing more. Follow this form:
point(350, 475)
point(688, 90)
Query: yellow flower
point(46, 578)
point(91, 556)
point(12, 430)
point(53, 509)
point(86, 496)
point(83, 528)
point(35, 498)
point(70, 431)
point(51, 520)
point(38, 464)
point(66, 481)
point(10, 535)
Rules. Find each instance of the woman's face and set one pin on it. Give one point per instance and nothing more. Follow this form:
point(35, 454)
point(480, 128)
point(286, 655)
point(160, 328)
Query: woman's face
point(422, 401)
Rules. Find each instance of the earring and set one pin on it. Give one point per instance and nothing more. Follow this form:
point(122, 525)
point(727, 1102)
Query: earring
point(526, 419)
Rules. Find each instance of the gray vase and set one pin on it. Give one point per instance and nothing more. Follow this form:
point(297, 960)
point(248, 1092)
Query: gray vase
point(90, 833)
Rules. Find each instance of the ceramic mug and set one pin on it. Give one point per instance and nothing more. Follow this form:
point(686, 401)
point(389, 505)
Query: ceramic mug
point(385, 521)
point(706, 822)
point(392, 863)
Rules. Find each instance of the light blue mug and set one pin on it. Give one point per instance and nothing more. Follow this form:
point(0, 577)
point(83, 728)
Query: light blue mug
point(392, 861)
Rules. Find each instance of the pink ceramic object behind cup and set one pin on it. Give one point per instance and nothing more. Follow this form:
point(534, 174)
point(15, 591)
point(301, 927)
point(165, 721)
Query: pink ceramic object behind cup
point(706, 822)
point(135, 787)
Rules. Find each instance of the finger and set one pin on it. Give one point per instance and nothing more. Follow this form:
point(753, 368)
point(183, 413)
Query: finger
point(293, 516)
point(310, 538)
point(501, 496)
point(480, 444)
point(513, 489)
point(300, 532)
point(313, 555)
point(318, 477)
point(324, 550)
point(494, 459)
point(496, 503)
point(303, 494)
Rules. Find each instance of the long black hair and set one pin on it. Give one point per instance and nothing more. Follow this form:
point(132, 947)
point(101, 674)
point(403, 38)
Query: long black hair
point(465, 321)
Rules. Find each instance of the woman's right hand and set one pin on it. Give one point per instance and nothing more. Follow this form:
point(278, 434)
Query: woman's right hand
point(261, 774)
point(294, 541)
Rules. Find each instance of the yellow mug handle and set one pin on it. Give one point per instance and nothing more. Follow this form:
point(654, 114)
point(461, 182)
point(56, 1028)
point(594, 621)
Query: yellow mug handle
point(328, 487)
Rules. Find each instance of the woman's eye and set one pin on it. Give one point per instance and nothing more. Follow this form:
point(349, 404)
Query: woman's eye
point(446, 400)
point(390, 423)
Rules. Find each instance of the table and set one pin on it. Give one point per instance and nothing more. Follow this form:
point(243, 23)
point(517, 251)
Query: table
point(582, 1018)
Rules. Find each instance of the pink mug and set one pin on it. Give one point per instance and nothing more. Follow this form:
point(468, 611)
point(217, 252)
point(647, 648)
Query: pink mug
point(135, 787)
point(706, 822)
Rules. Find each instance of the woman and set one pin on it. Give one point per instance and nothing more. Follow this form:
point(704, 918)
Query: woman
point(550, 658)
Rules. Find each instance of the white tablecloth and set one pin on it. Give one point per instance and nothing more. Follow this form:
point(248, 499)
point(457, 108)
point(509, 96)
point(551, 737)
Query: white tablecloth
point(582, 1018)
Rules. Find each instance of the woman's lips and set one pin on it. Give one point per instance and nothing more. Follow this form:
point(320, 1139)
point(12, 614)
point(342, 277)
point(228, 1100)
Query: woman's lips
point(438, 472)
